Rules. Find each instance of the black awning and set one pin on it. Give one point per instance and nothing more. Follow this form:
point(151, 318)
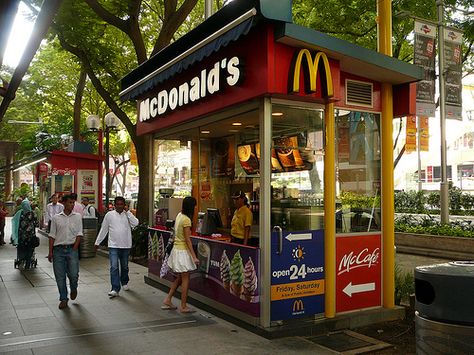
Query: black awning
point(214, 46)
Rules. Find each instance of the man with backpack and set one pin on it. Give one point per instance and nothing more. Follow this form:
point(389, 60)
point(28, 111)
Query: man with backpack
point(89, 211)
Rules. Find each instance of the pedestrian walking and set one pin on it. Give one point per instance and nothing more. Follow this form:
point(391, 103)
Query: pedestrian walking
point(88, 210)
point(64, 239)
point(78, 208)
point(3, 215)
point(26, 234)
point(118, 224)
point(182, 259)
point(52, 209)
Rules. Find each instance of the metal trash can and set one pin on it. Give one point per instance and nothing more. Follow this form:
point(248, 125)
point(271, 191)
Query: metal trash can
point(89, 230)
point(444, 317)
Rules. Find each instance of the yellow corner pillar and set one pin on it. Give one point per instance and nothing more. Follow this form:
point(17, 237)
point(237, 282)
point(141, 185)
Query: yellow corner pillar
point(330, 213)
point(384, 38)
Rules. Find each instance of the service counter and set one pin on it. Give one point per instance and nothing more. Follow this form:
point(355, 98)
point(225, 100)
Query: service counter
point(227, 274)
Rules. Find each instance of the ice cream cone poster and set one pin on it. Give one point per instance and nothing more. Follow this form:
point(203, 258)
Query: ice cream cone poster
point(227, 273)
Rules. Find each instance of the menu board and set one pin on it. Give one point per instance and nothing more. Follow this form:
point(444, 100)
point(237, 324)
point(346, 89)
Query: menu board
point(286, 156)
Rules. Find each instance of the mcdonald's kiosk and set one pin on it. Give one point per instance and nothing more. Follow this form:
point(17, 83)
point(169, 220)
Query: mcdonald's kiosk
point(250, 102)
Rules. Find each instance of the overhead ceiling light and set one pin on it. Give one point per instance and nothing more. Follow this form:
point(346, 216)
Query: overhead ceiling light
point(233, 130)
point(205, 131)
point(277, 114)
point(236, 123)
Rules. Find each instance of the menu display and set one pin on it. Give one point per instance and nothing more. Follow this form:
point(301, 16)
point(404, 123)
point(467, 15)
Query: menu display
point(286, 156)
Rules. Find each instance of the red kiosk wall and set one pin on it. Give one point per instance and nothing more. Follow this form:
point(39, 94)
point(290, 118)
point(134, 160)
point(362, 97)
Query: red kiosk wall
point(76, 161)
point(267, 69)
point(358, 271)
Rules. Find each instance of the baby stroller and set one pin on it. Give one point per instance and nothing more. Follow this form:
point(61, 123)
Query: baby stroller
point(25, 257)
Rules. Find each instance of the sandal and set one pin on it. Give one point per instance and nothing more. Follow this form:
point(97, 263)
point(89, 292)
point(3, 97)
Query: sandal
point(168, 307)
point(187, 310)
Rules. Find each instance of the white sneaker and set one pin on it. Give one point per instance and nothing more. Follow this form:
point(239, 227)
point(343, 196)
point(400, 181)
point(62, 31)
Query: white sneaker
point(125, 287)
point(113, 294)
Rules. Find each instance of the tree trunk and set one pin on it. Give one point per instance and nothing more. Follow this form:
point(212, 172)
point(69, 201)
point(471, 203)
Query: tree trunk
point(78, 104)
point(143, 145)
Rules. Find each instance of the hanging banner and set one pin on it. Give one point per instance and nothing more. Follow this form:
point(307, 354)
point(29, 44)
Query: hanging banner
point(133, 154)
point(424, 134)
point(424, 56)
point(410, 144)
point(453, 77)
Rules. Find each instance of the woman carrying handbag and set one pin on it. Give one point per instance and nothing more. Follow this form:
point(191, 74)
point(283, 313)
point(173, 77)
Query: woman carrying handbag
point(182, 259)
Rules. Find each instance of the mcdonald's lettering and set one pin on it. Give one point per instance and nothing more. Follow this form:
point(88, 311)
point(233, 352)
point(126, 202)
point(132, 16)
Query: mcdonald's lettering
point(298, 306)
point(318, 65)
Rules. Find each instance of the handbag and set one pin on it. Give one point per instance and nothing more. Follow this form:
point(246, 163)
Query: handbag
point(35, 242)
point(169, 246)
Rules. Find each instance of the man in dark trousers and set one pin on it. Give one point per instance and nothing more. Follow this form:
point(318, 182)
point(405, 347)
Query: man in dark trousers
point(64, 239)
point(118, 224)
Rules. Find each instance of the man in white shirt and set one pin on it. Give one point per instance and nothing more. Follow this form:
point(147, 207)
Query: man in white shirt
point(53, 208)
point(88, 210)
point(77, 206)
point(118, 224)
point(64, 239)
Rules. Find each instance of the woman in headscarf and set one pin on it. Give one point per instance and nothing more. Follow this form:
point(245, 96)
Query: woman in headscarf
point(26, 233)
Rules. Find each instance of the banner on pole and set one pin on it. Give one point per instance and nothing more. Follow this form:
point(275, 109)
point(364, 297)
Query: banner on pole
point(424, 134)
point(410, 143)
point(424, 56)
point(453, 77)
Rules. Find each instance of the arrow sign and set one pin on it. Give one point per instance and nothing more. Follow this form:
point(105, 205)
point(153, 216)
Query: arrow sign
point(299, 236)
point(350, 289)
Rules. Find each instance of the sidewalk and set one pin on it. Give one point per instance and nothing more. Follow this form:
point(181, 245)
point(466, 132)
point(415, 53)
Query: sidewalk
point(31, 323)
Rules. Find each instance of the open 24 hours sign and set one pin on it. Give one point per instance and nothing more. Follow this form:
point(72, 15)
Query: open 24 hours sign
point(297, 288)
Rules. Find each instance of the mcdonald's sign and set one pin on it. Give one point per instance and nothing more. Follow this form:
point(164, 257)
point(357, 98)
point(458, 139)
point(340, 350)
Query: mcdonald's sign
point(298, 307)
point(313, 67)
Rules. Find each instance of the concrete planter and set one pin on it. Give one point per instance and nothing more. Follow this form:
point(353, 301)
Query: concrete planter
point(439, 246)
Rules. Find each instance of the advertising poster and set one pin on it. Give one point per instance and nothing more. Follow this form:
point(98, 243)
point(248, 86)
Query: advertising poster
point(424, 134)
point(424, 56)
point(297, 288)
point(87, 181)
point(410, 144)
point(227, 273)
point(453, 77)
point(222, 157)
point(358, 272)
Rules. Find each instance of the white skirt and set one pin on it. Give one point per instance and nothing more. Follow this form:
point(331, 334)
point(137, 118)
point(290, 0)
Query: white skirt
point(180, 261)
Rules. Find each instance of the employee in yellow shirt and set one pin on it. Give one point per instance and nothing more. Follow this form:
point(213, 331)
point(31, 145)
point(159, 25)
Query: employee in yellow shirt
point(242, 219)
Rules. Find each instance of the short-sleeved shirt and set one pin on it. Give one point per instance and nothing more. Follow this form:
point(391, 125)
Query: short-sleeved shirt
point(182, 221)
point(65, 228)
point(242, 218)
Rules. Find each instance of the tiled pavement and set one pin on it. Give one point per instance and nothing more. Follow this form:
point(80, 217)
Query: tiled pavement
point(31, 323)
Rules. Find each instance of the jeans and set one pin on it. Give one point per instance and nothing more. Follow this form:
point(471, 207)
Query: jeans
point(65, 263)
point(118, 276)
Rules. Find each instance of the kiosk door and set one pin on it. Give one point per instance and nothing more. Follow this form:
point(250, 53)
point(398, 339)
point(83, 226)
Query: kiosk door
point(297, 211)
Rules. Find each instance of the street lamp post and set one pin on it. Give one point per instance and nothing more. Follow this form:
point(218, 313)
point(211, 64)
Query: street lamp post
point(111, 123)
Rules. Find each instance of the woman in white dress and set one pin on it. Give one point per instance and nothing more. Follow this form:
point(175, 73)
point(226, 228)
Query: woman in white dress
point(182, 259)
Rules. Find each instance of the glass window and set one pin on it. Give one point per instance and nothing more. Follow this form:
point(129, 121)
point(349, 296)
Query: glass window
point(297, 168)
point(211, 162)
point(358, 171)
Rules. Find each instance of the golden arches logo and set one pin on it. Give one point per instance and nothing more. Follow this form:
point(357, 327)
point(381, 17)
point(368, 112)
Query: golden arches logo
point(312, 72)
point(298, 306)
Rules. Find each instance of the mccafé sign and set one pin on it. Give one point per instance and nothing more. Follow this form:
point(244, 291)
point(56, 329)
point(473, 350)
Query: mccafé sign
point(314, 66)
point(224, 72)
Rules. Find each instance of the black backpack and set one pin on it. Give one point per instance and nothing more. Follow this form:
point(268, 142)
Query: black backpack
point(97, 215)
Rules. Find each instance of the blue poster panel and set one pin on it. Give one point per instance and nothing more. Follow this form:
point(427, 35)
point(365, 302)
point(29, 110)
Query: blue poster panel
point(227, 272)
point(297, 288)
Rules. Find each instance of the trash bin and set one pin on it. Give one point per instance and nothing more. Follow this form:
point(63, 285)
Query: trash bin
point(444, 317)
point(89, 230)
